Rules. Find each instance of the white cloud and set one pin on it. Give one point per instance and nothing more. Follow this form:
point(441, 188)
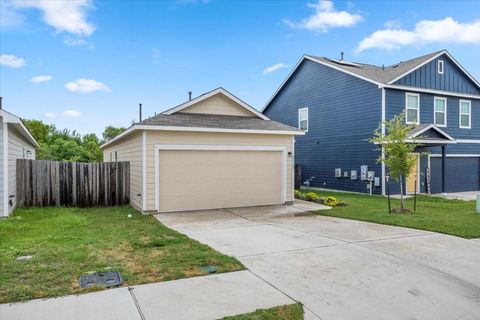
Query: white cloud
point(86, 86)
point(75, 42)
point(50, 115)
point(39, 79)
point(274, 68)
point(11, 61)
point(71, 113)
point(325, 17)
point(8, 16)
point(426, 31)
point(65, 16)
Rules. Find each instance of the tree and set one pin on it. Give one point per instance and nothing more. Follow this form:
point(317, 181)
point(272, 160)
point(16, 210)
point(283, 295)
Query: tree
point(396, 147)
point(40, 131)
point(111, 132)
point(64, 145)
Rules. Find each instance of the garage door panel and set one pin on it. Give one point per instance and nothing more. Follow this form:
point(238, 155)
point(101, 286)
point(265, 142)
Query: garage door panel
point(195, 180)
point(462, 174)
point(199, 171)
point(208, 186)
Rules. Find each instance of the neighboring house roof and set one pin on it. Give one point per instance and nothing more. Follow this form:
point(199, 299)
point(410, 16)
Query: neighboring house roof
point(18, 123)
point(175, 120)
point(379, 75)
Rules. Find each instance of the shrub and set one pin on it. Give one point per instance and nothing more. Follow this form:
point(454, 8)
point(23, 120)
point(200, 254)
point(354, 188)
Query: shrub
point(312, 196)
point(298, 194)
point(331, 201)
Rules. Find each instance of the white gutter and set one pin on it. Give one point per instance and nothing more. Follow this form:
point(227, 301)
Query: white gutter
point(197, 129)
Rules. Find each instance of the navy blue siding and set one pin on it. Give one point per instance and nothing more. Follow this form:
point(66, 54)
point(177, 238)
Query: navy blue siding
point(453, 79)
point(462, 173)
point(344, 111)
point(395, 104)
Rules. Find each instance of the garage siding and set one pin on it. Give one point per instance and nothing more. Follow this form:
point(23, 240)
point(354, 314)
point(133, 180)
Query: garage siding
point(130, 149)
point(17, 149)
point(218, 104)
point(204, 138)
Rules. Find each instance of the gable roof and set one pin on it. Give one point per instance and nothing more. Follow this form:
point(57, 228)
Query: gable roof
point(209, 94)
point(379, 75)
point(18, 123)
point(173, 120)
point(420, 130)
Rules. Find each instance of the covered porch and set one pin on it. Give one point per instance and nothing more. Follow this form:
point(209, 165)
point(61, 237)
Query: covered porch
point(432, 143)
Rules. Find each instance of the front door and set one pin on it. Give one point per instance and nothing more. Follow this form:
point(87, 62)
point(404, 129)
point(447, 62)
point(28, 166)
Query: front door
point(413, 177)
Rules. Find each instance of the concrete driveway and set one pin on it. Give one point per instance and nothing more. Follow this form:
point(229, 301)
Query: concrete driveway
point(345, 269)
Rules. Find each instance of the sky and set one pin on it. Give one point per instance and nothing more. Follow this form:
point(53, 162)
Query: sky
point(84, 64)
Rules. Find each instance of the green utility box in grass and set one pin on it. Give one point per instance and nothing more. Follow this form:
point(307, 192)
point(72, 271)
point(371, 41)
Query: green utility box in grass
point(478, 203)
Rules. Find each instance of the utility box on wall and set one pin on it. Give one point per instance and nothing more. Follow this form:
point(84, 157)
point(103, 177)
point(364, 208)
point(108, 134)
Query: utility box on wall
point(370, 176)
point(353, 174)
point(338, 173)
point(363, 173)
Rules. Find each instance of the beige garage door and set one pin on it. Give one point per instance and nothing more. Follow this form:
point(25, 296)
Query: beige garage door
point(196, 180)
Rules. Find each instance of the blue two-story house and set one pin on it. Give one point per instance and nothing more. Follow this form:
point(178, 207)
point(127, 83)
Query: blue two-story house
point(339, 104)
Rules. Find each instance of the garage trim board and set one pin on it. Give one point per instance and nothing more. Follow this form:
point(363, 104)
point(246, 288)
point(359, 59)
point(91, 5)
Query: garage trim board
point(280, 149)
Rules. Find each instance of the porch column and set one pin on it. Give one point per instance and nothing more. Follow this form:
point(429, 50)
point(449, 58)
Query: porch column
point(444, 157)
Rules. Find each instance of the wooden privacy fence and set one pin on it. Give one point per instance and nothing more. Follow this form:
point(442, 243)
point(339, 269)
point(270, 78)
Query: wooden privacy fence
point(72, 184)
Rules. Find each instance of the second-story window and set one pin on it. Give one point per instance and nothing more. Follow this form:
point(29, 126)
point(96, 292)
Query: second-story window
point(412, 108)
point(465, 114)
point(440, 66)
point(303, 119)
point(440, 112)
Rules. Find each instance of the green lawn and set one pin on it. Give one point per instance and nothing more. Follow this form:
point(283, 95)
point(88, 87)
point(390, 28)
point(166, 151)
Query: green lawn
point(68, 242)
point(454, 217)
point(289, 312)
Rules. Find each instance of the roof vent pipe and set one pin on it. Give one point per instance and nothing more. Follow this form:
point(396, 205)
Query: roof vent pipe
point(341, 55)
point(189, 95)
point(383, 67)
point(1, 106)
point(139, 112)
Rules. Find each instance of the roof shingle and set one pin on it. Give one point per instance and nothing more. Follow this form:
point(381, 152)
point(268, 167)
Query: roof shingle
point(215, 121)
point(378, 73)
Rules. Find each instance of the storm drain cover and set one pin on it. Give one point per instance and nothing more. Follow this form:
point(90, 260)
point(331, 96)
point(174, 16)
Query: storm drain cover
point(107, 279)
point(210, 269)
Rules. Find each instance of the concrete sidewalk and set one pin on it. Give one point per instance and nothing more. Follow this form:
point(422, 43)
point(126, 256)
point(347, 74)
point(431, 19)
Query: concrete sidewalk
point(208, 297)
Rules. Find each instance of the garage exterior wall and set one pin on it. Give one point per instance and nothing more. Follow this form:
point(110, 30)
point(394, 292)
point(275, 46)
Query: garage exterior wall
point(130, 149)
point(210, 138)
point(17, 149)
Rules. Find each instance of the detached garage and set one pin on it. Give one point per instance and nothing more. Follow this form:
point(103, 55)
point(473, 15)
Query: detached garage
point(214, 151)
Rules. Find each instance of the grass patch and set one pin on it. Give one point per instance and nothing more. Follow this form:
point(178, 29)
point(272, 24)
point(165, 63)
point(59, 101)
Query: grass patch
point(68, 242)
point(288, 312)
point(453, 217)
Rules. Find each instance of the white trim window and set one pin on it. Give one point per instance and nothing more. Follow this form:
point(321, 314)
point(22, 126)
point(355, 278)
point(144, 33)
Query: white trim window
point(465, 114)
point(303, 119)
point(440, 66)
point(440, 112)
point(412, 108)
